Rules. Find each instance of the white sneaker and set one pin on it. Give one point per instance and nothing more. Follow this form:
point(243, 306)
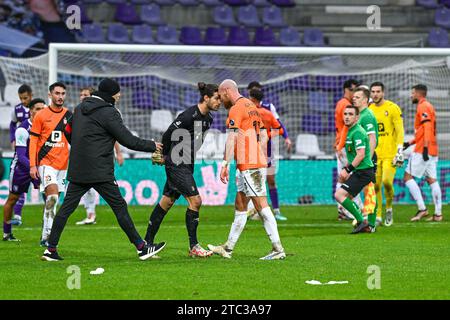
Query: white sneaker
point(274, 255)
point(388, 220)
point(220, 250)
point(86, 221)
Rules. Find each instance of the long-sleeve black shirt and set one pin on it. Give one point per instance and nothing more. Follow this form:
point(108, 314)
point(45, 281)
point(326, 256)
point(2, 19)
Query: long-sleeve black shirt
point(184, 137)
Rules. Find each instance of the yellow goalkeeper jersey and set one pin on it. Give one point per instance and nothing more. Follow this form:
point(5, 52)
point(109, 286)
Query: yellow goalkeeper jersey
point(390, 128)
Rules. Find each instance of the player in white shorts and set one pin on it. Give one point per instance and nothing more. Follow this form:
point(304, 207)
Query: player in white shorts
point(423, 160)
point(244, 142)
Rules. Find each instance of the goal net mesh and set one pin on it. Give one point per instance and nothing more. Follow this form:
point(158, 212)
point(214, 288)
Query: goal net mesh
point(303, 88)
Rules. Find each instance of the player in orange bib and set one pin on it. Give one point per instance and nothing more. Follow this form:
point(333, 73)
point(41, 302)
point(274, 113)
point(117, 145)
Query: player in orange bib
point(423, 160)
point(49, 152)
point(244, 140)
point(273, 128)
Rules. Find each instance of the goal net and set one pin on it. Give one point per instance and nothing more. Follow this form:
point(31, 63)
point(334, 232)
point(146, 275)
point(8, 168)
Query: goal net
point(304, 84)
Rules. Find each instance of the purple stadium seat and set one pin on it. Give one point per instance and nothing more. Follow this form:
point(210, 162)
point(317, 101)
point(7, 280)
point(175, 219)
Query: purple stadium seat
point(191, 97)
point(237, 2)
point(442, 17)
point(212, 3)
point(118, 33)
point(299, 83)
point(224, 16)
point(151, 14)
point(168, 99)
point(248, 16)
point(261, 3)
point(238, 36)
point(167, 35)
point(312, 123)
point(84, 17)
point(165, 2)
point(328, 83)
point(93, 33)
point(313, 37)
point(318, 101)
point(188, 3)
point(126, 13)
point(290, 37)
point(142, 34)
point(116, 1)
point(445, 3)
point(92, 1)
point(191, 36)
point(265, 37)
point(215, 36)
point(140, 1)
point(284, 3)
point(429, 4)
point(273, 17)
point(142, 98)
point(438, 37)
point(219, 121)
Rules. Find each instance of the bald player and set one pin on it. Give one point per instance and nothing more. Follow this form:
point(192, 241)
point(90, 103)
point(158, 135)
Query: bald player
point(244, 142)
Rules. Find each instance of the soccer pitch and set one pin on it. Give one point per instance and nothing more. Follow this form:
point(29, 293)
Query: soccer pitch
point(410, 259)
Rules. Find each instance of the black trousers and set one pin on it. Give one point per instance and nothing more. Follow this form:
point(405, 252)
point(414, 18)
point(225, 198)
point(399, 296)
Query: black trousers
point(110, 192)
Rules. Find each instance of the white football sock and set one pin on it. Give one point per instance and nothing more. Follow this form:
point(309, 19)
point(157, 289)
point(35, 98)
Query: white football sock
point(49, 214)
point(415, 192)
point(240, 219)
point(437, 198)
point(89, 202)
point(270, 224)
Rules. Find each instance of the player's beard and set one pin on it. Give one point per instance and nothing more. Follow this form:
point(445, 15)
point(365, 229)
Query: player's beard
point(227, 104)
point(415, 100)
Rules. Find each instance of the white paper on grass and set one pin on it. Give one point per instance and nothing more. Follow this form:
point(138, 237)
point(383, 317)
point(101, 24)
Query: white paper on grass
point(318, 283)
point(98, 271)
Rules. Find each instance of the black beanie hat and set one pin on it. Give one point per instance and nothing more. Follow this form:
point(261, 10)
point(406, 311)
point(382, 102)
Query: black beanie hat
point(109, 86)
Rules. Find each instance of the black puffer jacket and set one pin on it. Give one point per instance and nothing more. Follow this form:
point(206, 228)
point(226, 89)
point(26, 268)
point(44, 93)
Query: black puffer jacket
point(95, 127)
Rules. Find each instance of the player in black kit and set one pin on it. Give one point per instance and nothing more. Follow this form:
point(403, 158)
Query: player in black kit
point(181, 141)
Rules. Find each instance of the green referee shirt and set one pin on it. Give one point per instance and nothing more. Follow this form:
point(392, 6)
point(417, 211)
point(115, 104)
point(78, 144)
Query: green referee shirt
point(356, 139)
point(368, 121)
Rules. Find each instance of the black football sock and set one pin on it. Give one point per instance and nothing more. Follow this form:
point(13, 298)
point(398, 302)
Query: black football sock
point(191, 226)
point(156, 219)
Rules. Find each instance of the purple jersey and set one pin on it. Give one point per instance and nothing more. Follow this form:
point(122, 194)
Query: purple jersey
point(269, 106)
point(20, 166)
point(19, 114)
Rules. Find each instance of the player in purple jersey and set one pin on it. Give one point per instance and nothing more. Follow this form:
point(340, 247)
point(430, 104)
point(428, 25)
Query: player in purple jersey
point(273, 191)
point(18, 115)
point(19, 179)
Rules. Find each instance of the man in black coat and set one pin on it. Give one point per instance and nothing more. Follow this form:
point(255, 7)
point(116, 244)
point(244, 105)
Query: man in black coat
point(95, 127)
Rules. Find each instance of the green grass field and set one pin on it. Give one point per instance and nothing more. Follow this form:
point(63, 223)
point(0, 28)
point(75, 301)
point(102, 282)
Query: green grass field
point(413, 259)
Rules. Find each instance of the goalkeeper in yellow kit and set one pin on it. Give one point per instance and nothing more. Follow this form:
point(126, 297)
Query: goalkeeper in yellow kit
point(389, 149)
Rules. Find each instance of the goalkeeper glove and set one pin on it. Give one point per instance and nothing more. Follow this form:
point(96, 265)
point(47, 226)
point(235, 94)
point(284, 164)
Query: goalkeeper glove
point(399, 159)
point(158, 158)
point(425, 154)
